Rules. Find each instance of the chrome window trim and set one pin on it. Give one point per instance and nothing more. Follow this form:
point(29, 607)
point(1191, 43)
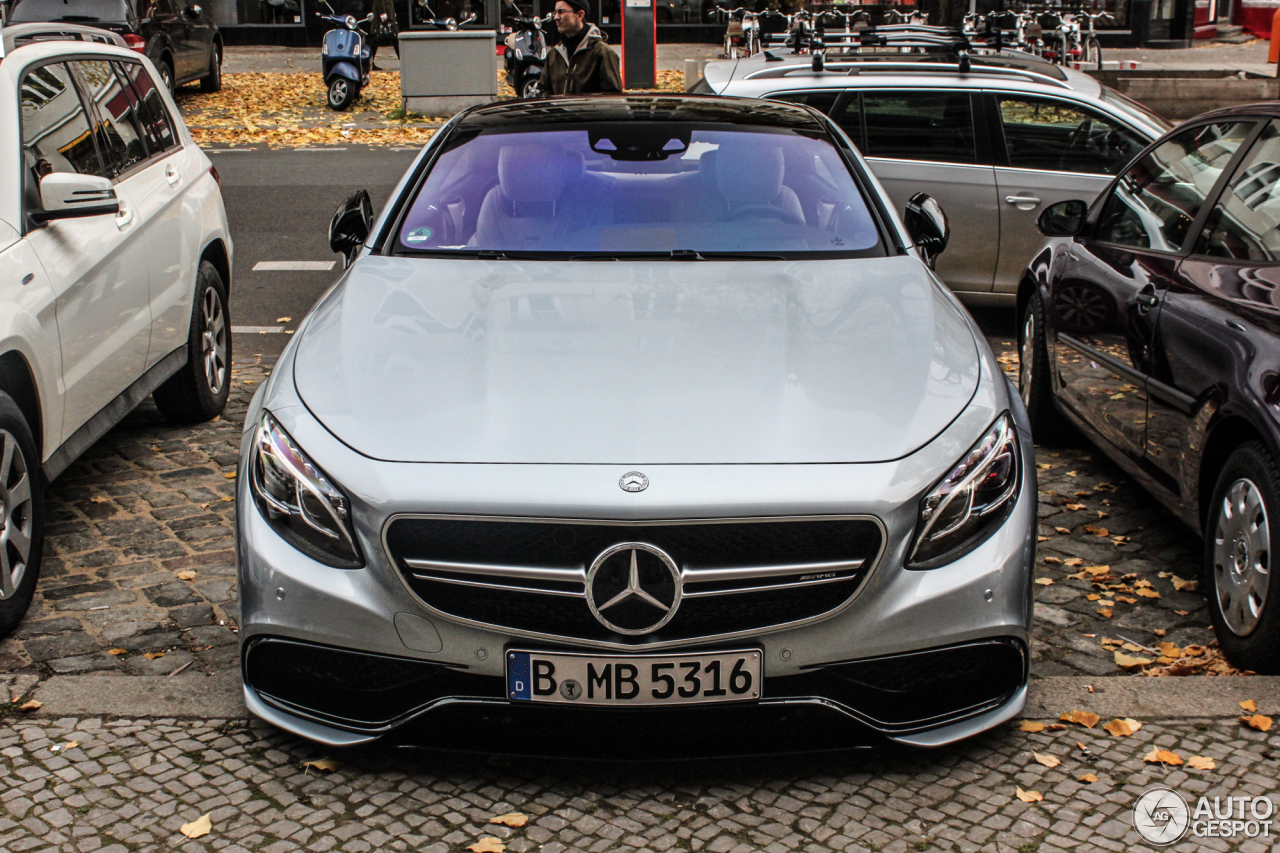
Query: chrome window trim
point(608, 644)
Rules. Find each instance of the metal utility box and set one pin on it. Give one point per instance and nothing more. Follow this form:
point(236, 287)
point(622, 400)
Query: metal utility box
point(442, 72)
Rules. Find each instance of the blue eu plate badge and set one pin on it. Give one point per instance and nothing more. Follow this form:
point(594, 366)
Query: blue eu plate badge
point(518, 675)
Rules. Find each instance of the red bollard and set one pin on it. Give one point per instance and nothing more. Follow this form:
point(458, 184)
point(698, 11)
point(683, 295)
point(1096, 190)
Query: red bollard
point(1273, 52)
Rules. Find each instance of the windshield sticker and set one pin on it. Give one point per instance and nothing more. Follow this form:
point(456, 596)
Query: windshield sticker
point(418, 235)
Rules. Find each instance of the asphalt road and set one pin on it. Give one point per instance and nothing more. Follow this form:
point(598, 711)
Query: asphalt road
point(279, 203)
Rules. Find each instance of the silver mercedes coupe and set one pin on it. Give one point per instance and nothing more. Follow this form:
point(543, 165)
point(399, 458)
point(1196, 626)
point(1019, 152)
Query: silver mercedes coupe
point(637, 408)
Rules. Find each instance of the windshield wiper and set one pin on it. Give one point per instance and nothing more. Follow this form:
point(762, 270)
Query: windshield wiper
point(678, 255)
point(78, 18)
point(482, 254)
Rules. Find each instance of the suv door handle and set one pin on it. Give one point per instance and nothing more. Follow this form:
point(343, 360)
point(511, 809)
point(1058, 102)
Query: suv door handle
point(1021, 199)
point(123, 218)
point(172, 175)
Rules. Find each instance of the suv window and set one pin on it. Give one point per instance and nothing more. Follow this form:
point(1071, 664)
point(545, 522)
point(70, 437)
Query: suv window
point(157, 126)
point(1244, 223)
point(72, 11)
point(119, 137)
point(1155, 202)
point(933, 126)
point(1052, 135)
point(56, 135)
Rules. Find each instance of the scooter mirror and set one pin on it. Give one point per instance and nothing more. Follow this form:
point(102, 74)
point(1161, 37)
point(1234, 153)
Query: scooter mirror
point(351, 225)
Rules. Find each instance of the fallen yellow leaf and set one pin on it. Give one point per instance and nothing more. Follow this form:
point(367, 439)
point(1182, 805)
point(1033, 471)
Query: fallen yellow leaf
point(487, 845)
point(117, 651)
point(153, 655)
point(1073, 562)
point(1122, 727)
point(1105, 612)
point(1083, 718)
point(1046, 760)
point(513, 819)
point(1249, 705)
point(1202, 762)
point(30, 705)
point(1129, 661)
point(1088, 778)
point(1063, 530)
point(1030, 726)
point(1146, 592)
point(1257, 721)
point(71, 744)
point(324, 765)
point(1162, 756)
point(230, 476)
point(283, 319)
point(1044, 581)
point(1025, 796)
point(198, 827)
point(187, 575)
point(1185, 585)
point(1169, 650)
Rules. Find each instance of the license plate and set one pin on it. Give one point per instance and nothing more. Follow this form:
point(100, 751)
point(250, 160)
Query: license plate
point(633, 679)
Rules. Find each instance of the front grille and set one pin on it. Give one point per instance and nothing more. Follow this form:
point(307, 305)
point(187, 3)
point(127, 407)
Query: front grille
point(530, 575)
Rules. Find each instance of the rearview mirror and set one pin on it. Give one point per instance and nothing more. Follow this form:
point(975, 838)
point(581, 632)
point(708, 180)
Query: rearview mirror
point(927, 224)
point(351, 225)
point(1064, 219)
point(68, 195)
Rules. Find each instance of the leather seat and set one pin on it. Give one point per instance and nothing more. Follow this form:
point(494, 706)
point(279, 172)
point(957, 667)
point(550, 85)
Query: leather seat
point(535, 201)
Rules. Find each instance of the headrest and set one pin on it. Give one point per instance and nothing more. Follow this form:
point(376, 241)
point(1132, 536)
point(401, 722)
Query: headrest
point(535, 172)
point(749, 171)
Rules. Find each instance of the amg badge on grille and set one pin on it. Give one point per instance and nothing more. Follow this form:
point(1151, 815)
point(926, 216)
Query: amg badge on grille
point(634, 481)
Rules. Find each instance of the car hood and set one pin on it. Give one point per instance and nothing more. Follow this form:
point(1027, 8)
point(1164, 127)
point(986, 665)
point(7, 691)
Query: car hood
point(631, 363)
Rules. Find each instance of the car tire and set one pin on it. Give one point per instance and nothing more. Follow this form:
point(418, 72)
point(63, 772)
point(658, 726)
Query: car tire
point(212, 82)
point(22, 502)
point(165, 67)
point(199, 390)
point(1034, 386)
point(1244, 599)
point(342, 92)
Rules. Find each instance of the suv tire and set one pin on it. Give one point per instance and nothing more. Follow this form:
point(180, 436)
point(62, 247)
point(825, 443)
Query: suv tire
point(212, 81)
point(1240, 539)
point(199, 390)
point(22, 505)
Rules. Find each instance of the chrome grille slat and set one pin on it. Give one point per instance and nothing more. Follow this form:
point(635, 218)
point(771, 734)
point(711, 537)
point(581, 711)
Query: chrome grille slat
point(527, 576)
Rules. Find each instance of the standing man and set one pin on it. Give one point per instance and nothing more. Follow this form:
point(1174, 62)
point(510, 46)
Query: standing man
point(581, 63)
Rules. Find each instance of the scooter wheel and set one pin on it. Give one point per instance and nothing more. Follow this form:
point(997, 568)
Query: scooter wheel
point(341, 93)
point(531, 88)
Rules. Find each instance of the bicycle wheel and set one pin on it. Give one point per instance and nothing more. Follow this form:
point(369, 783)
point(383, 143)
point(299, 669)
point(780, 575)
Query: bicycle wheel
point(1093, 53)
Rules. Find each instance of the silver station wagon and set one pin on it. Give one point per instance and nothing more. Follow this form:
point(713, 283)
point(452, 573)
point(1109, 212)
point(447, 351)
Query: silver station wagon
point(637, 408)
point(994, 138)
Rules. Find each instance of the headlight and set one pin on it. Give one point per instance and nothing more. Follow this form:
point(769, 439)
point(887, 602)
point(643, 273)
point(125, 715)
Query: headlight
point(302, 505)
point(962, 510)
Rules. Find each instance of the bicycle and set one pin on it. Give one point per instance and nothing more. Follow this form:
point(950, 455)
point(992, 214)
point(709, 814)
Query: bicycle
point(744, 31)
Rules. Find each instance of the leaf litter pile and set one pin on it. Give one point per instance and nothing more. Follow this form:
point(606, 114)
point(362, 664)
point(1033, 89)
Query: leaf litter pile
point(288, 110)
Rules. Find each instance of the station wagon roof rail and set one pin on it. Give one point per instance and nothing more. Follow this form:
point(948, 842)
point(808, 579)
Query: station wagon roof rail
point(843, 67)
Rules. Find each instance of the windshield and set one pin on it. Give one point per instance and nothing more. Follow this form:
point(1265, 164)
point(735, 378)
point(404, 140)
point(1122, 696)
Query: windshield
point(1133, 109)
point(111, 11)
point(642, 188)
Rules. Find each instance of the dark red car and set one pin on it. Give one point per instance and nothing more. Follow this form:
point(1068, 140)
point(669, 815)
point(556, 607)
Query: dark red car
point(1151, 321)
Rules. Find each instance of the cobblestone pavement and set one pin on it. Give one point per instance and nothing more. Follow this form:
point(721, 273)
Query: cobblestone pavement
point(151, 503)
point(130, 785)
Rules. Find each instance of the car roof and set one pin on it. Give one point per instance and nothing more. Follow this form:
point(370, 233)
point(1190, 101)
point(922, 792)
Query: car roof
point(623, 108)
point(1267, 109)
point(19, 35)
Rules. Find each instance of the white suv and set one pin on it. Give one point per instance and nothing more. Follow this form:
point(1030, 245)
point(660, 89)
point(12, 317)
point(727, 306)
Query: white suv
point(115, 262)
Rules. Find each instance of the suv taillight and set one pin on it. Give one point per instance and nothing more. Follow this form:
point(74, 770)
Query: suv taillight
point(213, 170)
point(135, 42)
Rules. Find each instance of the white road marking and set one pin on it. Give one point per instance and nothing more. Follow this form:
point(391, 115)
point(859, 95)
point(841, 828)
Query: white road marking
point(284, 266)
point(230, 150)
point(257, 330)
point(320, 149)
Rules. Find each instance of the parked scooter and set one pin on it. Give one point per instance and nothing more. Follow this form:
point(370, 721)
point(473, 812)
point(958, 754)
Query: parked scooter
point(345, 58)
point(526, 54)
point(449, 24)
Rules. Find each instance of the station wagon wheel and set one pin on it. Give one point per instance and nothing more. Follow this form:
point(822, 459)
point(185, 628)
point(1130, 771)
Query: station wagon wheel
point(21, 515)
point(199, 390)
point(1034, 386)
point(1239, 543)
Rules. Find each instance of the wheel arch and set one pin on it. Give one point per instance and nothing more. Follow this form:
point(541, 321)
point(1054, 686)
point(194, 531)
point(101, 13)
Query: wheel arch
point(216, 254)
point(1223, 439)
point(18, 381)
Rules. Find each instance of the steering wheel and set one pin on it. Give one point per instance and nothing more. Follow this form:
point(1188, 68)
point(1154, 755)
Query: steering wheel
point(1078, 137)
point(764, 211)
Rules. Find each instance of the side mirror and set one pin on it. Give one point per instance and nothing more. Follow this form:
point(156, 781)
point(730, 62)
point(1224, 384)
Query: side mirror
point(68, 195)
point(927, 224)
point(351, 225)
point(192, 12)
point(1064, 219)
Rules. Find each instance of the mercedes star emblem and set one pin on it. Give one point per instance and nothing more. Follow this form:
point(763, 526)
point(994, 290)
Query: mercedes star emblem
point(634, 481)
point(633, 588)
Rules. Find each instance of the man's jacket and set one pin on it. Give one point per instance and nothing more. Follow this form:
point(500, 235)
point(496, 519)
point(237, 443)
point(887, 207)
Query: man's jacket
point(592, 69)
